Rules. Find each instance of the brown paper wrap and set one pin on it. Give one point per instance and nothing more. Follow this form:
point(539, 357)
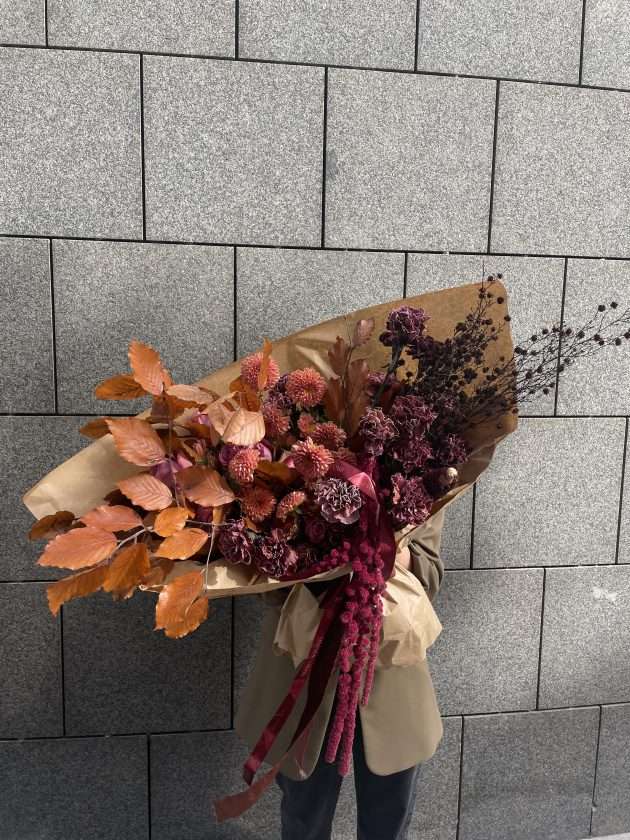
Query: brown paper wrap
point(81, 482)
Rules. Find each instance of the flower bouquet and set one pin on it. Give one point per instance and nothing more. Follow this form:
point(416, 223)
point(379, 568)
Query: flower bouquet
point(311, 460)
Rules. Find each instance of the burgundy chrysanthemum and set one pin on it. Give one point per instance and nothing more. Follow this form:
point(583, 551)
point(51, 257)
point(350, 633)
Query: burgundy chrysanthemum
point(376, 430)
point(289, 503)
point(250, 368)
point(258, 503)
point(234, 543)
point(404, 325)
point(242, 465)
point(329, 434)
point(412, 417)
point(277, 423)
point(310, 459)
point(338, 500)
point(411, 504)
point(274, 556)
point(305, 387)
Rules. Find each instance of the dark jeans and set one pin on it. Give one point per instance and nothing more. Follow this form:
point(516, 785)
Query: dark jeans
point(384, 803)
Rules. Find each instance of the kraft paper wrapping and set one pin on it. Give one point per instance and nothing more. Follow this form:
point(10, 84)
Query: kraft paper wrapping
point(82, 481)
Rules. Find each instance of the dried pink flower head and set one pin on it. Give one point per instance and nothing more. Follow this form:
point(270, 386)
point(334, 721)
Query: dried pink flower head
point(376, 430)
point(250, 368)
point(345, 454)
point(310, 459)
point(306, 387)
point(242, 465)
point(234, 543)
point(329, 434)
point(411, 503)
point(289, 503)
point(258, 503)
point(277, 423)
point(306, 423)
point(274, 556)
point(339, 500)
point(404, 325)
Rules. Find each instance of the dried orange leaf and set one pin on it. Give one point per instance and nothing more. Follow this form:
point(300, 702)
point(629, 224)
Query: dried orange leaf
point(247, 396)
point(127, 570)
point(119, 387)
point(79, 548)
point(277, 470)
point(158, 571)
point(95, 428)
point(146, 491)
point(176, 611)
point(334, 400)
point(75, 586)
point(220, 413)
point(112, 518)
point(191, 394)
point(195, 615)
point(183, 544)
point(205, 486)
point(338, 356)
point(147, 368)
point(245, 428)
point(50, 525)
point(137, 441)
point(263, 371)
point(171, 520)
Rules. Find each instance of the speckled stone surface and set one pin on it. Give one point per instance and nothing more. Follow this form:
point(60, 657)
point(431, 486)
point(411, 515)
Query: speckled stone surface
point(486, 658)
point(30, 701)
point(176, 298)
point(122, 676)
point(551, 494)
point(248, 615)
point(31, 446)
point(612, 804)
point(204, 27)
point(22, 22)
point(456, 532)
point(66, 789)
point(607, 44)
point(562, 171)
point(599, 383)
point(534, 294)
point(26, 378)
point(70, 144)
point(282, 291)
point(528, 776)
point(233, 151)
point(379, 33)
point(586, 635)
point(623, 553)
point(408, 161)
point(506, 38)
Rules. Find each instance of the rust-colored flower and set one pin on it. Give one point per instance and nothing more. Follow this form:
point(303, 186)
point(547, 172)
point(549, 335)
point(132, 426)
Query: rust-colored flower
point(289, 503)
point(277, 423)
point(258, 503)
point(243, 465)
point(250, 368)
point(306, 423)
point(310, 459)
point(329, 435)
point(306, 387)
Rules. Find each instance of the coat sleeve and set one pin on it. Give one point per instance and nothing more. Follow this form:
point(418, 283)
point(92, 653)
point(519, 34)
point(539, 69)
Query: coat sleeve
point(424, 547)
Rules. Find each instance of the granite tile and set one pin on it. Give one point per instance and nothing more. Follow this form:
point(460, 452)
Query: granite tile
point(408, 161)
point(74, 789)
point(176, 298)
point(606, 59)
point(70, 145)
point(233, 151)
point(456, 532)
point(534, 294)
point(248, 616)
point(551, 494)
point(585, 637)
point(562, 171)
point(122, 676)
point(22, 22)
point(623, 551)
point(374, 34)
point(611, 811)
point(528, 776)
point(27, 383)
point(599, 383)
point(281, 291)
point(490, 617)
point(505, 38)
point(204, 27)
point(30, 664)
point(33, 446)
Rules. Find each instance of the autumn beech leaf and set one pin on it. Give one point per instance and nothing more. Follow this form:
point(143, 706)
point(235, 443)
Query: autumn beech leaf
point(205, 486)
point(147, 368)
point(277, 470)
point(363, 330)
point(219, 414)
point(112, 518)
point(119, 387)
point(159, 570)
point(96, 428)
point(50, 525)
point(183, 544)
point(247, 396)
point(180, 609)
point(75, 586)
point(169, 521)
point(79, 548)
point(263, 371)
point(127, 570)
point(146, 491)
point(338, 355)
point(245, 428)
point(191, 394)
point(334, 400)
point(137, 441)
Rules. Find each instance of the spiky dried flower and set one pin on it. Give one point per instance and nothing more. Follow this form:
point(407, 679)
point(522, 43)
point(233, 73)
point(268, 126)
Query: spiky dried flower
point(258, 502)
point(310, 459)
point(306, 387)
point(250, 368)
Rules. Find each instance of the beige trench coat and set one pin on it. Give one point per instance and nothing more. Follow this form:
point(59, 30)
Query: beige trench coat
point(401, 721)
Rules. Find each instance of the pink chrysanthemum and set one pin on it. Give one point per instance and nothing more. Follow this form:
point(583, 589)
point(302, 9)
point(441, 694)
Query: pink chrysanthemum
point(250, 368)
point(310, 459)
point(306, 387)
point(289, 503)
point(306, 423)
point(243, 465)
point(277, 423)
point(345, 454)
point(258, 503)
point(329, 435)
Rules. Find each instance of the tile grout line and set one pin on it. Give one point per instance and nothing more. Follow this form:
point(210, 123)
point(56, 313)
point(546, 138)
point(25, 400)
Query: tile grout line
point(473, 511)
point(62, 673)
point(236, 29)
point(540, 641)
point(599, 735)
point(122, 414)
point(621, 488)
point(46, 22)
point(405, 269)
point(149, 814)
point(461, 778)
point(494, 159)
point(324, 156)
point(582, 42)
point(417, 38)
point(144, 200)
point(557, 386)
point(54, 329)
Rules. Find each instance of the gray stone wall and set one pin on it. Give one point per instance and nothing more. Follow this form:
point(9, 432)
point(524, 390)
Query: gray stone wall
point(195, 173)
